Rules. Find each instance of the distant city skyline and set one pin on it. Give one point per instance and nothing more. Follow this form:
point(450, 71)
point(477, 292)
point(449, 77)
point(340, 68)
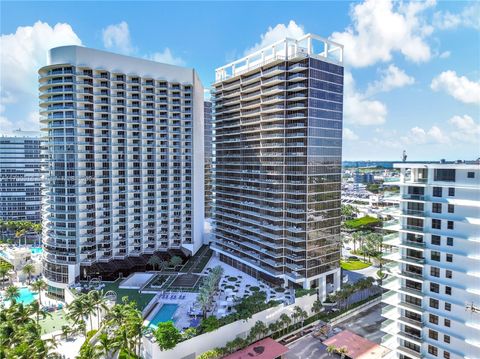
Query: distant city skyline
point(412, 86)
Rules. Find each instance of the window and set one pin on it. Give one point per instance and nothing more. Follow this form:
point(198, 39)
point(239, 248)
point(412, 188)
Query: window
point(434, 287)
point(448, 307)
point(446, 322)
point(437, 191)
point(449, 257)
point(450, 224)
point(451, 208)
point(433, 319)
point(435, 256)
point(432, 334)
point(444, 174)
point(446, 354)
point(449, 241)
point(435, 272)
point(435, 240)
point(446, 338)
point(448, 290)
point(451, 191)
point(433, 303)
point(470, 174)
point(436, 223)
point(436, 207)
point(432, 350)
point(448, 274)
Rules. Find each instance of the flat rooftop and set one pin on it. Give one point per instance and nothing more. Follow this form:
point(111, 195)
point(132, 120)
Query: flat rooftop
point(264, 349)
point(357, 346)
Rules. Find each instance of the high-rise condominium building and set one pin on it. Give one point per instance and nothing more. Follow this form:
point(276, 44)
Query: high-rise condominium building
point(208, 158)
point(278, 151)
point(433, 303)
point(124, 146)
point(20, 178)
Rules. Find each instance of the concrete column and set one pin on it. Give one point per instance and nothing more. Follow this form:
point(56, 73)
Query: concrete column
point(309, 45)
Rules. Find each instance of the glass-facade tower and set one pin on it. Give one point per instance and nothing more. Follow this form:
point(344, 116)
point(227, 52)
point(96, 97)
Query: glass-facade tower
point(278, 141)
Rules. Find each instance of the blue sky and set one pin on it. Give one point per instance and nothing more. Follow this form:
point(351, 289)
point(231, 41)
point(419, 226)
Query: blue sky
point(412, 69)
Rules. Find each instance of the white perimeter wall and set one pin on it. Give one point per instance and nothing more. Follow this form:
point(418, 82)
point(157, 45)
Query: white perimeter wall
point(218, 338)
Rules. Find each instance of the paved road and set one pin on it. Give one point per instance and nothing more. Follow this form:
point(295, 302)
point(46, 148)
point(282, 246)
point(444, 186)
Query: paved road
point(366, 324)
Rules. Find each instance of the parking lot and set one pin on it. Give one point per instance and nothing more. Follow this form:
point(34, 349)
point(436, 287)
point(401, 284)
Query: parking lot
point(365, 324)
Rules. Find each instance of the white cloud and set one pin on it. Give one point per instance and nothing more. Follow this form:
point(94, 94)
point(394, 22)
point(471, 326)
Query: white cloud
point(117, 38)
point(469, 17)
point(466, 129)
point(391, 77)
point(382, 27)
point(167, 57)
point(419, 136)
point(23, 53)
point(349, 135)
point(459, 87)
point(358, 109)
point(445, 54)
point(277, 33)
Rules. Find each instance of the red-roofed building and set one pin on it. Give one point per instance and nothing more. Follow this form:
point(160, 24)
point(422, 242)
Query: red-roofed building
point(357, 346)
point(264, 349)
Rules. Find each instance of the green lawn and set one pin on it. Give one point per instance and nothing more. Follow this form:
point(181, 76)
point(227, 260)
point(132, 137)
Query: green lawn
point(54, 323)
point(362, 222)
point(354, 264)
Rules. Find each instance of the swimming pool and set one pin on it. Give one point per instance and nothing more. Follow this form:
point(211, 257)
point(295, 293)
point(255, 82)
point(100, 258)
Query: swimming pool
point(164, 314)
point(36, 250)
point(26, 296)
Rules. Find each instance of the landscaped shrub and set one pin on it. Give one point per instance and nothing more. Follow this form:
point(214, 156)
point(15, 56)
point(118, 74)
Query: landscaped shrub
point(302, 292)
point(232, 279)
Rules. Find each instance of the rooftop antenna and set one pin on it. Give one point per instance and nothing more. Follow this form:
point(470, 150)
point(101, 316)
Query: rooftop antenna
point(404, 156)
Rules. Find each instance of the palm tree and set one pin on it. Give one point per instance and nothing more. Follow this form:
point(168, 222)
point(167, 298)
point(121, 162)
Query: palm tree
point(257, 330)
point(19, 234)
point(331, 349)
point(89, 308)
point(28, 269)
point(105, 344)
point(99, 302)
point(317, 306)
point(89, 351)
point(38, 286)
point(285, 321)
point(37, 310)
point(12, 293)
point(297, 312)
point(154, 261)
point(76, 311)
point(4, 269)
point(343, 351)
point(273, 327)
point(175, 261)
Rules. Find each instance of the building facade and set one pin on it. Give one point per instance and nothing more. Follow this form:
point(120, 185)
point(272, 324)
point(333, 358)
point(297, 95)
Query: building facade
point(278, 151)
point(124, 163)
point(433, 303)
point(20, 178)
point(208, 158)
